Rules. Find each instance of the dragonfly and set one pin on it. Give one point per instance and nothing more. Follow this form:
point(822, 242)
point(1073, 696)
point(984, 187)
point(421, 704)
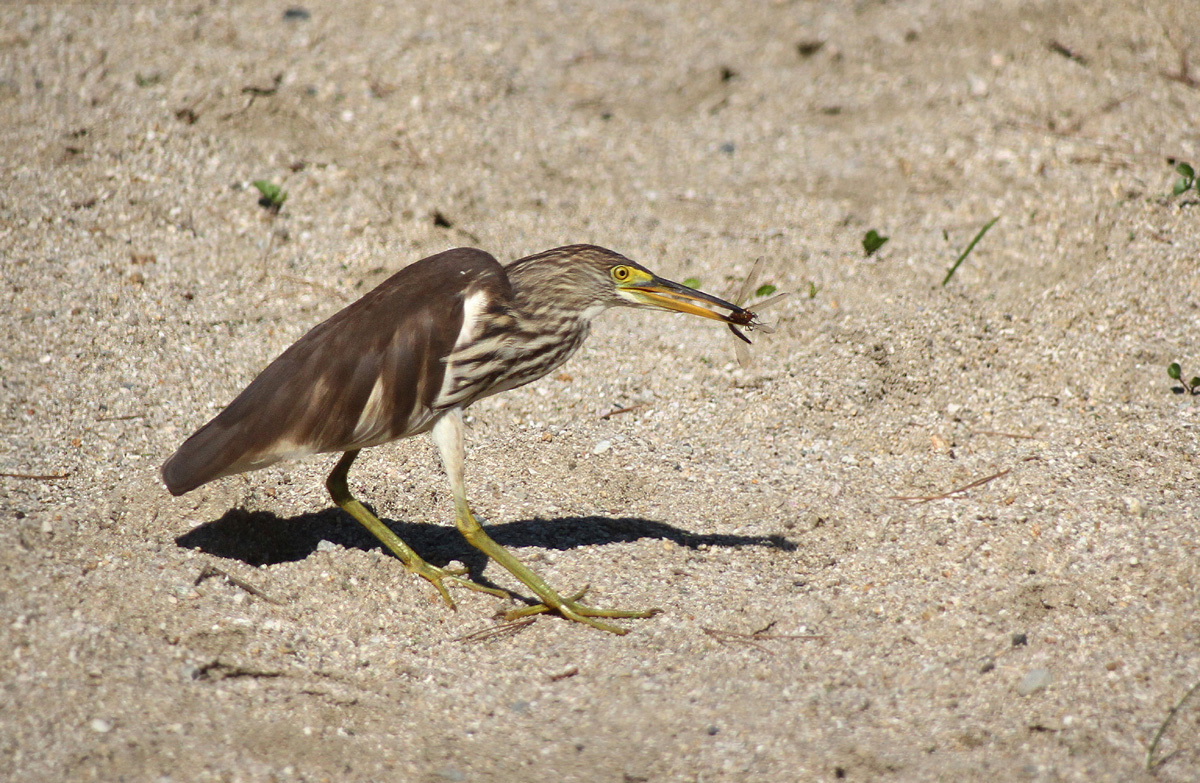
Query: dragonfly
point(747, 319)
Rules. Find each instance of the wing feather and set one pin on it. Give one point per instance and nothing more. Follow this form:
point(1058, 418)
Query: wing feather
point(369, 374)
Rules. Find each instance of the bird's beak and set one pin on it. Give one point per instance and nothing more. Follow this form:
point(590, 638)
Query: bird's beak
point(658, 292)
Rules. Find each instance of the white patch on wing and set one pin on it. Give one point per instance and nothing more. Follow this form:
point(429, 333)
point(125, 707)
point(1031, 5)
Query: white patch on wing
point(474, 305)
point(372, 422)
point(281, 450)
point(318, 399)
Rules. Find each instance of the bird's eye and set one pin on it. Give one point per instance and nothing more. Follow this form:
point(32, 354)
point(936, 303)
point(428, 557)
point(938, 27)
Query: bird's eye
point(620, 273)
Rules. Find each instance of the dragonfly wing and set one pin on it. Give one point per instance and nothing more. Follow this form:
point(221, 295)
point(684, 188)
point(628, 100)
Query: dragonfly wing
point(764, 304)
point(742, 350)
point(747, 287)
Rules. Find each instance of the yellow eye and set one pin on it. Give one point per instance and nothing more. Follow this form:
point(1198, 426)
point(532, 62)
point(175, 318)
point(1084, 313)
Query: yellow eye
point(621, 273)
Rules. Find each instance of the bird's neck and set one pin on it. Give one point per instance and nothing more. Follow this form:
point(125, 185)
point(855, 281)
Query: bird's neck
point(546, 340)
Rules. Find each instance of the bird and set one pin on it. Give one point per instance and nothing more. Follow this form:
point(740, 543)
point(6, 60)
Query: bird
point(408, 358)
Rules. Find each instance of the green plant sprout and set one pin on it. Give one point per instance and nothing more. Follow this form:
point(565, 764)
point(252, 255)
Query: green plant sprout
point(273, 195)
point(872, 241)
point(1192, 387)
point(1187, 179)
point(963, 257)
point(1151, 752)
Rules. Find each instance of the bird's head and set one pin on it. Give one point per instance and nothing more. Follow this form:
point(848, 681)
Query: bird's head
point(589, 279)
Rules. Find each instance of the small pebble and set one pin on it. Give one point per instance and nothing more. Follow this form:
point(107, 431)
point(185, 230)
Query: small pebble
point(570, 671)
point(712, 730)
point(101, 726)
point(326, 546)
point(602, 447)
point(1019, 640)
point(1034, 681)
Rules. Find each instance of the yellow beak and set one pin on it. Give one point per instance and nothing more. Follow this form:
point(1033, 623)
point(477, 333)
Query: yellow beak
point(658, 292)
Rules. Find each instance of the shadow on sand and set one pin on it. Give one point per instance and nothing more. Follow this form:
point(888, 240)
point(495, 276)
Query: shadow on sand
point(260, 537)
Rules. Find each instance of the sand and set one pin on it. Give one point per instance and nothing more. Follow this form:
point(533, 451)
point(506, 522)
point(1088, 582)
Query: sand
point(933, 533)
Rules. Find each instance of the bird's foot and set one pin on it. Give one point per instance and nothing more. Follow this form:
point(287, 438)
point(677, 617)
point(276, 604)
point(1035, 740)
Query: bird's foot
point(440, 576)
point(571, 609)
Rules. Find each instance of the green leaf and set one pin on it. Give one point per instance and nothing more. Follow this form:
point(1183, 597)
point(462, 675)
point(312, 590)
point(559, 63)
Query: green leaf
point(268, 189)
point(692, 282)
point(765, 290)
point(1194, 383)
point(1186, 170)
point(1181, 186)
point(1174, 370)
point(273, 196)
point(872, 241)
point(812, 290)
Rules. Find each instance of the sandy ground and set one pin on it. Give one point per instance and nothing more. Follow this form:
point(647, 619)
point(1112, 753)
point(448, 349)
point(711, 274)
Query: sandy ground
point(1036, 626)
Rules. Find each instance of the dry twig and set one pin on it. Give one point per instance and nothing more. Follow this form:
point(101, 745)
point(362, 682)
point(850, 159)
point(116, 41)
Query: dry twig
point(210, 571)
point(752, 639)
point(36, 476)
point(957, 490)
point(627, 409)
point(317, 285)
point(501, 631)
point(998, 434)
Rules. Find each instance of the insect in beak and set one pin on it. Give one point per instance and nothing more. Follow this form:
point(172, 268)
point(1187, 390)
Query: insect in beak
point(748, 319)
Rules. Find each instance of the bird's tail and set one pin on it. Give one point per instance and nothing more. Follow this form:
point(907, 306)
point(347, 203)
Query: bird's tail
point(201, 459)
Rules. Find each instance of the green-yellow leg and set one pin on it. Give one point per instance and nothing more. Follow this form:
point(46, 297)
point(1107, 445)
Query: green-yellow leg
point(448, 435)
point(340, 491)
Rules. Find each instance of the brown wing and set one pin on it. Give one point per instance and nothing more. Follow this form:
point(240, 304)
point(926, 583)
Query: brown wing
point(367, 375)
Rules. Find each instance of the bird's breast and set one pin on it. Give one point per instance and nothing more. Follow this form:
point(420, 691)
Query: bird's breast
point(507, 353)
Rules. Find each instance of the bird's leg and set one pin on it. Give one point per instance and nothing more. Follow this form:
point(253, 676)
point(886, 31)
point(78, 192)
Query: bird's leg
point(340, 491)
point(448, 435)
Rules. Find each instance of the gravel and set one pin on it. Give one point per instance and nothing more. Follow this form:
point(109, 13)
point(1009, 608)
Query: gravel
point(844, 538)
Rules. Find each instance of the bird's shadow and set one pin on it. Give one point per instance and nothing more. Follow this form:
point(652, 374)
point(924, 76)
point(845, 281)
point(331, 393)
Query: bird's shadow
point(262, 538)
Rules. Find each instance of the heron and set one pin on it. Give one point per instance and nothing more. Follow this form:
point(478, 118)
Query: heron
point(409, 357)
